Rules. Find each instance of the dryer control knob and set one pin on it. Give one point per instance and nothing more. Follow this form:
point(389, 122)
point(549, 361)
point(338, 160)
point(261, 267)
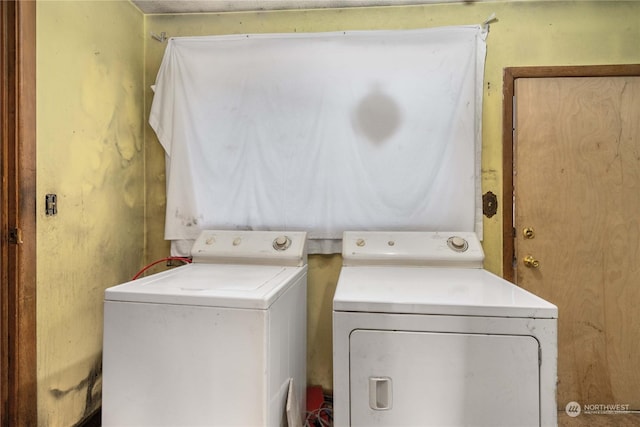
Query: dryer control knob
point(281, 243)
point(458, 244)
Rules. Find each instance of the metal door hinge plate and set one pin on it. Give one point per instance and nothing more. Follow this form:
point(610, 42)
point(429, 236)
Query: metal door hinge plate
point(15, 236)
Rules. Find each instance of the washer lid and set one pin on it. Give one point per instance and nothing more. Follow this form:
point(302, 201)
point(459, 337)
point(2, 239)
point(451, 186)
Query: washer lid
point(213, 285)
point(435, 290)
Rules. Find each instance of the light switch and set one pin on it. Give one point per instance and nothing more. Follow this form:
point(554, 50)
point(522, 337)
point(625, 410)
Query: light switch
point(51, 204)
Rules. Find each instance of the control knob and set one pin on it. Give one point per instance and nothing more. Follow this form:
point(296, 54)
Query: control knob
point(281, 243)
point(457, 243)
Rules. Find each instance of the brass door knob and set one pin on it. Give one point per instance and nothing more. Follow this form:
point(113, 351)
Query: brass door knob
point(531, 262)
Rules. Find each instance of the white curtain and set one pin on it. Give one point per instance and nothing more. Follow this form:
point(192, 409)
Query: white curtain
point(322, 132)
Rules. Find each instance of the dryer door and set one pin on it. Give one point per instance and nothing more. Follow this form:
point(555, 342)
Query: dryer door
point(404, 378)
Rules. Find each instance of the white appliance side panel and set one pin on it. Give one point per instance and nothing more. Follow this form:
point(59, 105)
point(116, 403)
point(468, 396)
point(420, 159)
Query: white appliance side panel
point(170, 365)
point(287, 345)
point(402, 378)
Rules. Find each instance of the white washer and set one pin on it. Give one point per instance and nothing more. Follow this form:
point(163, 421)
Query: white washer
point(422, 335)
point(212, 343)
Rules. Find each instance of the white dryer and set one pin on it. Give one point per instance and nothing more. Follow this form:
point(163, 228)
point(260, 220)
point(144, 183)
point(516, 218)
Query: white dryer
point(212, 343)
point(424, 336)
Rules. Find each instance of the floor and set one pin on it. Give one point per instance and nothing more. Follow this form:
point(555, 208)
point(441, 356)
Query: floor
point(582, 420)
point(590, 420)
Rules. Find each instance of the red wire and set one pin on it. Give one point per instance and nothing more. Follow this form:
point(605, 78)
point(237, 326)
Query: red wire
point(170, 258)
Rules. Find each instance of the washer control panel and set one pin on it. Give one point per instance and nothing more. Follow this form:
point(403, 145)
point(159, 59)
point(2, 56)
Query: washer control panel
point(425, 248)
point(457, 243)
point(287, 248)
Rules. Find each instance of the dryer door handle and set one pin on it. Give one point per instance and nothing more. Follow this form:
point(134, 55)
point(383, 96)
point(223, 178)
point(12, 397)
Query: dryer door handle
point(380, 393)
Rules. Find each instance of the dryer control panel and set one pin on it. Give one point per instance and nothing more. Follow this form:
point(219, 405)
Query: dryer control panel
point(286, 248)
point(424, 248)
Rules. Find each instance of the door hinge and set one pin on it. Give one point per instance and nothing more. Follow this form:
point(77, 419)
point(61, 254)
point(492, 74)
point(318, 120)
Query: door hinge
point(15, 236)
point(513, 114)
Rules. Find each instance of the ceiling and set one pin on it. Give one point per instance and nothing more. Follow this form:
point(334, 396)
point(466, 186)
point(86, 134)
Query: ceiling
point(211, 6)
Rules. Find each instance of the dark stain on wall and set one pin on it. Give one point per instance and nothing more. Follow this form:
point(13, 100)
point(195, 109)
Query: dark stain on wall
point(92, 383)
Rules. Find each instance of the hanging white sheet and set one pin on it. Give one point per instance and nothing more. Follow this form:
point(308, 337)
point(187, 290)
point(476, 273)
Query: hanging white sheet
point(322, 132)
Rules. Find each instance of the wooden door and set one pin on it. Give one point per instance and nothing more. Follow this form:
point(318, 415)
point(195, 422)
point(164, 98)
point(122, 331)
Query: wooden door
point(577, 189)
point(18, 389)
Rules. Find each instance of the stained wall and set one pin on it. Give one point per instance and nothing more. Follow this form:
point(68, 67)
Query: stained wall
point(96, 61)
point(90, 126)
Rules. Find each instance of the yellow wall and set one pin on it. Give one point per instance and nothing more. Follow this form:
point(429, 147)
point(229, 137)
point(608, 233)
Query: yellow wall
point(90, 127)
point(95, 64)
point(526, 34)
